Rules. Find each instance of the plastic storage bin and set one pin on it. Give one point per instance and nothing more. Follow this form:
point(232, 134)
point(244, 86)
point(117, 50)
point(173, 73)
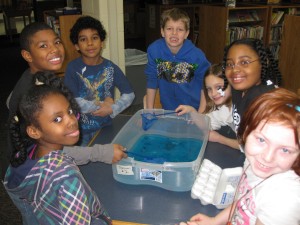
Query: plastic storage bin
point(170, 175)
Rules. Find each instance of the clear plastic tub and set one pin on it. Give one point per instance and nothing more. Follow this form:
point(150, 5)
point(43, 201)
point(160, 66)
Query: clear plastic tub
point(170, 175)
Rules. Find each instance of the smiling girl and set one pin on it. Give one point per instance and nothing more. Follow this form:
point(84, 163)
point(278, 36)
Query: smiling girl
point(218, 105)
point(251, 70)
point(43, 182)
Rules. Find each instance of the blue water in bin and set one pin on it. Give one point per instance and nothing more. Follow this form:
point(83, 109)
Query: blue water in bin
point(158, 149)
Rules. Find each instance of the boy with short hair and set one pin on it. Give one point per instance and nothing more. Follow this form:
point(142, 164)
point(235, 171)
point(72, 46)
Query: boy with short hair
point(175, 65)
point(92, 79)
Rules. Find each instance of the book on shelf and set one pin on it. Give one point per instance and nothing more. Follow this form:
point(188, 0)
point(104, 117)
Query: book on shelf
point(293, 11)
point(53, 22)
point(276, 17)
point(243, 16)
point(254, 15)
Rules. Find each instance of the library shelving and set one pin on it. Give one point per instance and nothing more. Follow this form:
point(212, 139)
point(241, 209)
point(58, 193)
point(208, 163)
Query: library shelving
point(277, 15)
point(153, 13)
point(220, 25)
point(62, 24)
point(289, 54)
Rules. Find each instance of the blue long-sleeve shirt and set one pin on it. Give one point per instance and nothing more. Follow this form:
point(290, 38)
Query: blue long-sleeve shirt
point(94, 84)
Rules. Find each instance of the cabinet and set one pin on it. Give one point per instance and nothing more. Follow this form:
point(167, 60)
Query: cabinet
point(276, 20)
point(220, 25)
point(290, 53)
point(62, 25)
point(153, 12)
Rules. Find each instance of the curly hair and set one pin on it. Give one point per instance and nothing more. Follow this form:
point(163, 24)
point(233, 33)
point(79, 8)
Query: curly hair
point(269, 69)
point(86, 22)
point(29, 31)
point(30, 106)
point(277, 105)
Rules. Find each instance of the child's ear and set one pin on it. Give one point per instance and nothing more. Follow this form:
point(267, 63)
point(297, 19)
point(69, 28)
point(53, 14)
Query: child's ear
point(162, 32)
point(33, 132)
point(77, 47)
point(187, 34)
point(26, 55)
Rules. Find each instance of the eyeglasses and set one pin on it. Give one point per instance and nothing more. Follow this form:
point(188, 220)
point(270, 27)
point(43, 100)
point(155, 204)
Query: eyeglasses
point(242, 64)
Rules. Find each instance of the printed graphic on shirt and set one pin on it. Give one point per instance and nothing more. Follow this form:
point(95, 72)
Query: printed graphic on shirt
point(98, 87)
point(236, 118)
point(177, 72)
point(245, 209)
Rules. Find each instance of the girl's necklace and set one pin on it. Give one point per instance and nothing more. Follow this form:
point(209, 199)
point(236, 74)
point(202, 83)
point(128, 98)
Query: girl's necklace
point(234, 204)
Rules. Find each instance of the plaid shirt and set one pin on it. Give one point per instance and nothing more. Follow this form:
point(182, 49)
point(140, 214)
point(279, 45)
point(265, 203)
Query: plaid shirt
point(58, 193)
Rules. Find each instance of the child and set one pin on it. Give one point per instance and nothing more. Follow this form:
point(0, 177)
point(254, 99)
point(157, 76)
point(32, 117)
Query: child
point(218, 105)
point(92, 79)
point(251, 71)
point(175, 65)
point(269, 190)
point(43, 50)
point(43, 182)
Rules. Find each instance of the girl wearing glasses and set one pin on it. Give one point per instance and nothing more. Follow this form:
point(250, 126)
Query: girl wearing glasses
point(251, 70)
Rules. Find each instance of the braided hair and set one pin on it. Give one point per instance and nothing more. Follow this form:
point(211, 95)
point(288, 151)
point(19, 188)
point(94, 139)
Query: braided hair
point(31, 104)
point(269, 70)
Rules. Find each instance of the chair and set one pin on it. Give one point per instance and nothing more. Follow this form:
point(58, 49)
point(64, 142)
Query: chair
point(157, 104)
point(12, 13)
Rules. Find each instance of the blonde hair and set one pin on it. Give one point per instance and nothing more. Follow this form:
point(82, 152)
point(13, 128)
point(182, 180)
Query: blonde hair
point(175, 14)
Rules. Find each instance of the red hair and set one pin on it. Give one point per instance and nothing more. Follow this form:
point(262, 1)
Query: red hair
point(278, 105)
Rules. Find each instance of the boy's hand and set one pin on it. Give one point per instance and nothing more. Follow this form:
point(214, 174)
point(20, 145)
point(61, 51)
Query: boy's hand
point(104, 110)
point(118, 153)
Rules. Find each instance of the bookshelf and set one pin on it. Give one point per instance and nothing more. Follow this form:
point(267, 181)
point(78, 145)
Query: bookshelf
point(153, 12)
point(277, 15)
point(62, 24)
point(220, 25)
point(290, 53)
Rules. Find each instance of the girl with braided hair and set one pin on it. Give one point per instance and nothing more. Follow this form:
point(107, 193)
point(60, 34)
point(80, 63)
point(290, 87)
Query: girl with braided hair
point(43, 182)
point(251, 70)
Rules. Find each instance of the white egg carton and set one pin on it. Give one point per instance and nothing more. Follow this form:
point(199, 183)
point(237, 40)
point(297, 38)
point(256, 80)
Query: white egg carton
point(214, 185)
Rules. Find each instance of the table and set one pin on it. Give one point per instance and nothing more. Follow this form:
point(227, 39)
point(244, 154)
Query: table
point(144, 203)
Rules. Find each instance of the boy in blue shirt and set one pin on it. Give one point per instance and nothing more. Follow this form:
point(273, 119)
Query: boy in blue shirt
point(92, 79)
point(175, 65)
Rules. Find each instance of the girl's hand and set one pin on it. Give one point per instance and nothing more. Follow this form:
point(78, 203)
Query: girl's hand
point(183, 109)
point(118, 153)
point(200, 219)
